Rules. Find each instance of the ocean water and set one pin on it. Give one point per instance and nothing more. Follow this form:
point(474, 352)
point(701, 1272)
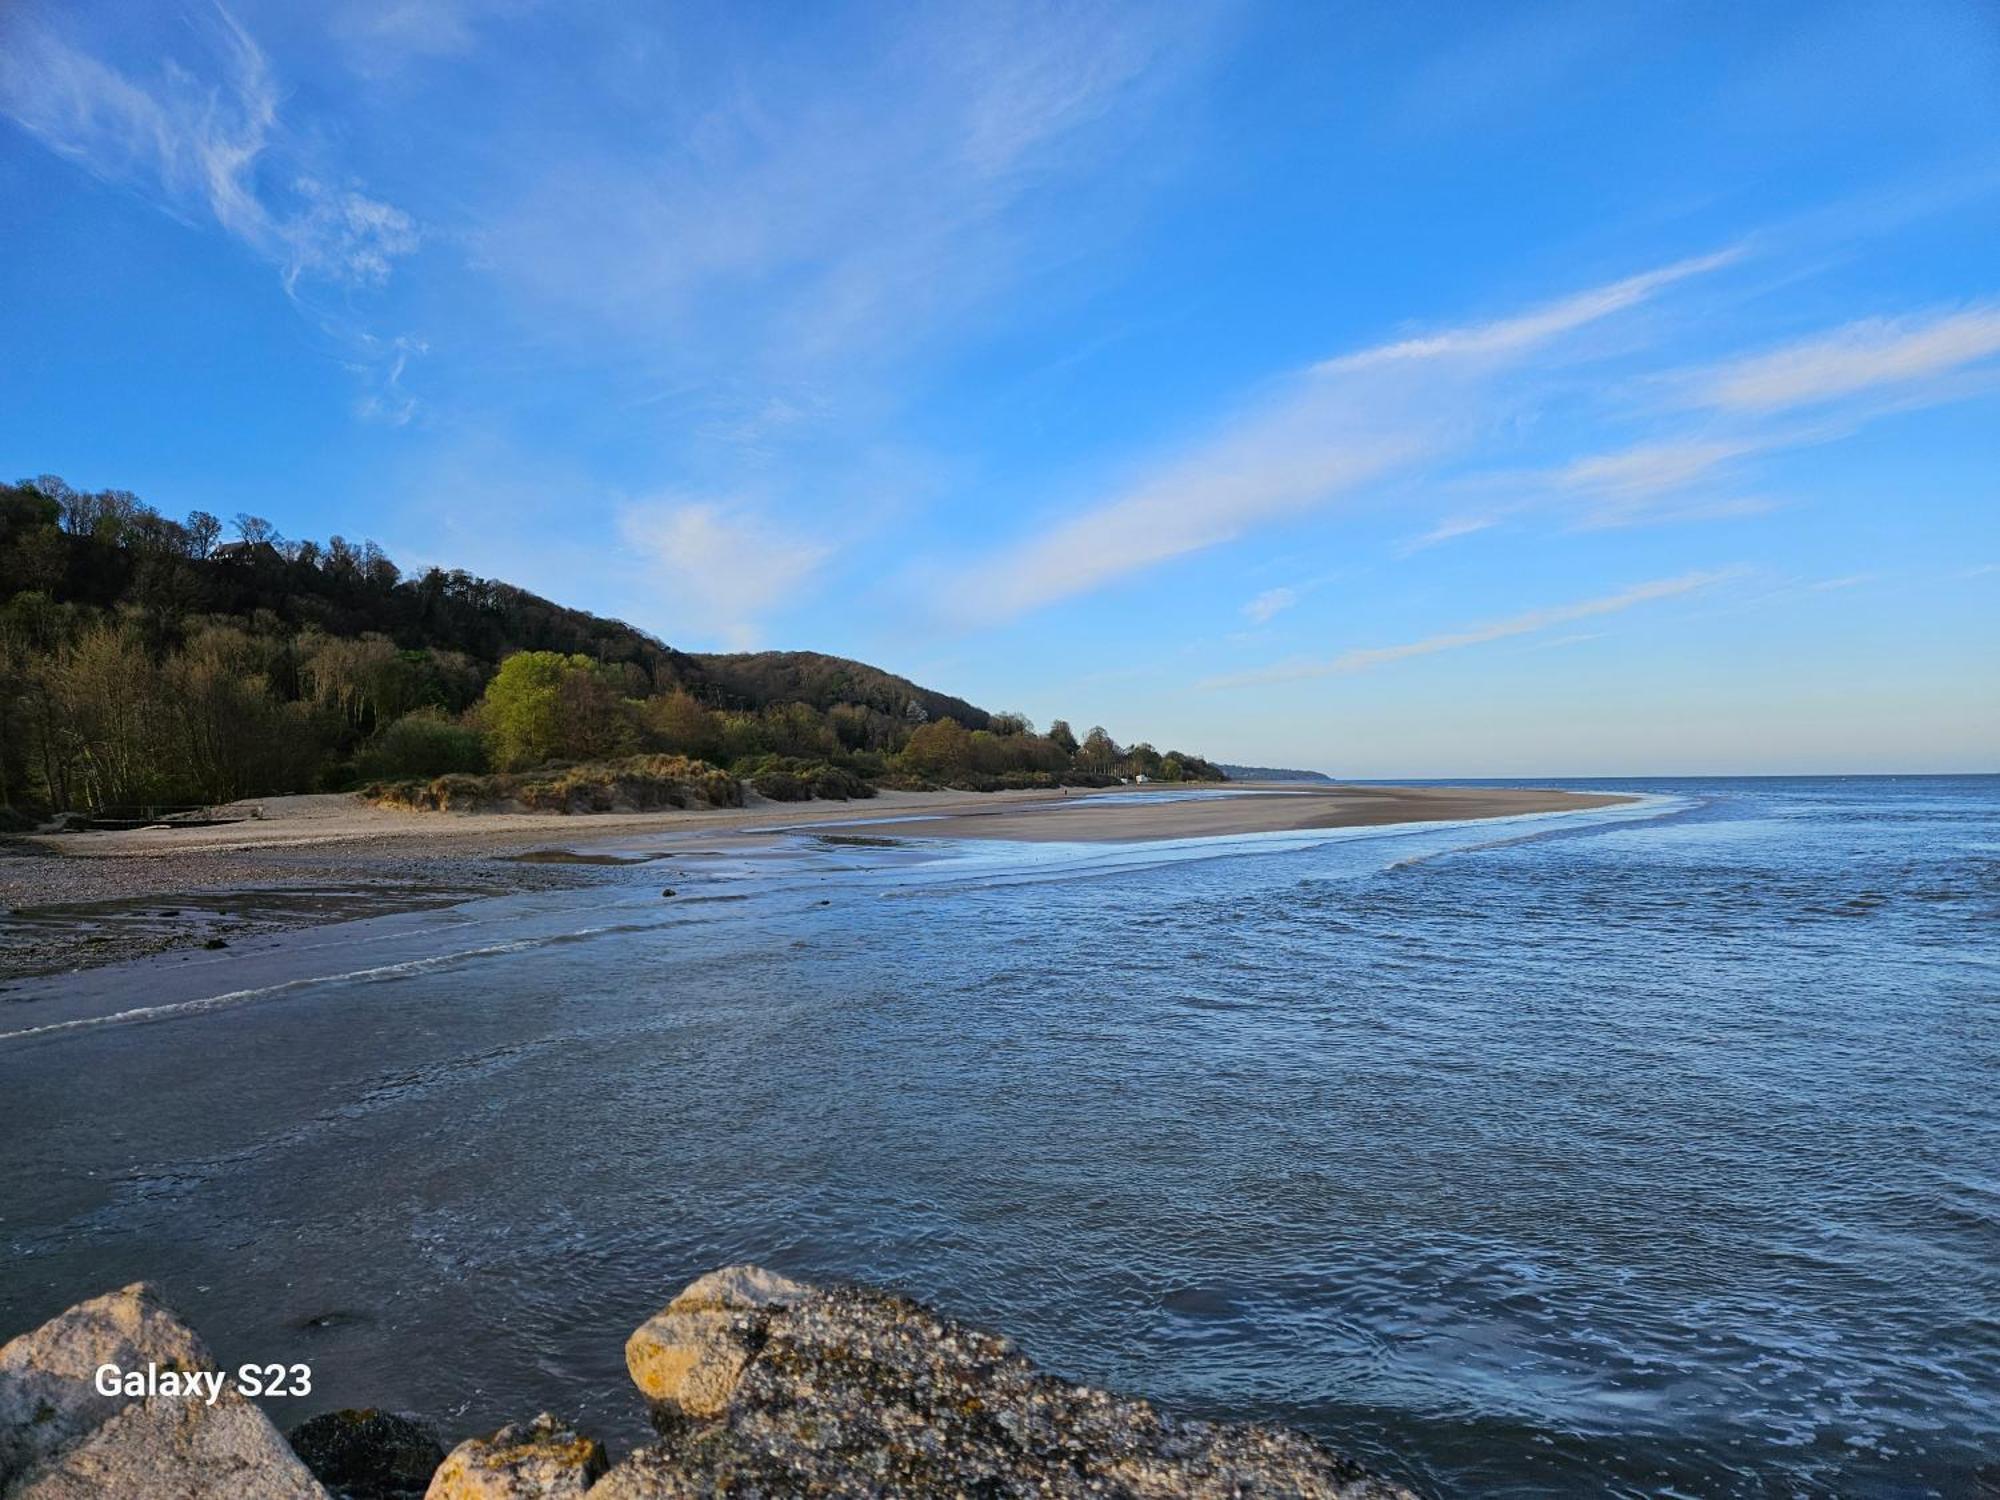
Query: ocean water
point(1653, 1151)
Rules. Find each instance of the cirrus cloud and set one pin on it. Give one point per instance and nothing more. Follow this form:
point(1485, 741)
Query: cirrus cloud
point(1527, 623)
point(726, 565)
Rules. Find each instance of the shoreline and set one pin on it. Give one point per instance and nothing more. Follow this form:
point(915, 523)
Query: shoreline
point(83, 900)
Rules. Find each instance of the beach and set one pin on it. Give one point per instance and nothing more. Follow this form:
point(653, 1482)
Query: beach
point(83, 899)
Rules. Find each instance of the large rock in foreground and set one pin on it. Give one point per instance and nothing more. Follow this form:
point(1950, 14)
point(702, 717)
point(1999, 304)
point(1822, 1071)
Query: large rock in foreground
point(762, 1386)
point(61, 1440)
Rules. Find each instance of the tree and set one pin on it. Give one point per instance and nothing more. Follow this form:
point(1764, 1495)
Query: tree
point(941, 749)
point(543, 706)
point(678, 724)
point(203, 530)
point(522, 709)
point(255, 529)
point(1063, 735)
point(1098, 753)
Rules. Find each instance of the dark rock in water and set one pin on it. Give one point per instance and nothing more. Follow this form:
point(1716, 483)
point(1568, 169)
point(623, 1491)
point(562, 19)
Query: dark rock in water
point(215, 943)
point(322, 1322)
point(369, 1455)
point(764, 1386)
point(668, 891)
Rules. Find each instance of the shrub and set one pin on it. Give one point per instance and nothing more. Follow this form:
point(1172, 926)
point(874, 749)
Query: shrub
point(423, 743)
point(640, 783)
point(790, 779)
point(782, 786)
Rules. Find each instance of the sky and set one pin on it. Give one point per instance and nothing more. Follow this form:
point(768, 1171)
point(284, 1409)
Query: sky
point(1391, 389)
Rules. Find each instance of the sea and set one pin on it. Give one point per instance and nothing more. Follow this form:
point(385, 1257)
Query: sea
point(1645, 1151)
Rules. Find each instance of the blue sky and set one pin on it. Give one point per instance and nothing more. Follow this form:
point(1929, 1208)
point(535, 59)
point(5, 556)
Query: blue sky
point(1398, 389)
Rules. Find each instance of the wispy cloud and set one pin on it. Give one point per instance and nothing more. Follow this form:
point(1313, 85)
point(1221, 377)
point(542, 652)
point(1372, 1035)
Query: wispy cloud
point(1269, 604)
point(837, 200)
point(382, 36)
point(203, 140)
point(722, 567)
point(1528, 623)
point(202, 143)
point(1318, 435)
point(1651, 468)
point(1864, 356)
point(1510, 336)
point(1753, 404)
point(1450, 529)
point(387, 400)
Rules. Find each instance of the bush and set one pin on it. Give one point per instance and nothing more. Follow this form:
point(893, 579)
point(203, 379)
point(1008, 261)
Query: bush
point(423, 743)
point(789, 779)
point(641, 783)
point(782, 786)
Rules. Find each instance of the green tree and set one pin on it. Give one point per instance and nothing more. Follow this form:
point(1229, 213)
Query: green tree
point(523, 708)
point(1098, 753)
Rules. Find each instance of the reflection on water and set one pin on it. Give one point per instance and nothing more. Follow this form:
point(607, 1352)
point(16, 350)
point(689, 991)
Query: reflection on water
point(1641, 1151)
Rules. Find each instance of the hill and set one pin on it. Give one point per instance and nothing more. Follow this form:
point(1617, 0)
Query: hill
point(756, 678)
point(1270, 773)
point(147, 663)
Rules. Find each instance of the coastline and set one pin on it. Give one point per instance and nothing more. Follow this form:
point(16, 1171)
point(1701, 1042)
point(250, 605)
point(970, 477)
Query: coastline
point(81, 900)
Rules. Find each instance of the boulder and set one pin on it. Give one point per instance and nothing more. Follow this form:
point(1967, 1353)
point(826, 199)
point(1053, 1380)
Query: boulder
point(170, 1449)
point(687, 1358)
point(539, 1460)
point(369, 1455)
point(59, 1438)
point(783, 1389)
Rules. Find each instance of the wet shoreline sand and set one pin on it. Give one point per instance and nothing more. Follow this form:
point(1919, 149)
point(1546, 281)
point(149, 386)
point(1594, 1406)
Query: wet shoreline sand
point(85, 899)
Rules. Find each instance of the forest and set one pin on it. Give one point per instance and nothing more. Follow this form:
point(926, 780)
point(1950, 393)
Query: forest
point(149, 664)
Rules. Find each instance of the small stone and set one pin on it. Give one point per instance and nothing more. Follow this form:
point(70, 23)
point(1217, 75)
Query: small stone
point(668, 891)
point(215, 943)
point(369, 1455)
point(540, 1460)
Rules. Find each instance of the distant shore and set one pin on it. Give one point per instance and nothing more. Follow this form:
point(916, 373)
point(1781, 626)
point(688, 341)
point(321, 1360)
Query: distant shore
point(83, 899)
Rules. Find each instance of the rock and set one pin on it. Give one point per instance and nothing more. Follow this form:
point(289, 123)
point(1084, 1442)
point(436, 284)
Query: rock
point(369, 1455)
point(850, 1393)
point(538, 1460)
point(46, 1396)
point(686, 1359)
point(170, 1449)
point(215, 943)
point(59, 1438)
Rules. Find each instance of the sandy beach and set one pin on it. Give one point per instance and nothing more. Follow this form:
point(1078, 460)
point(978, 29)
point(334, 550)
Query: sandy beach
point(82, 899)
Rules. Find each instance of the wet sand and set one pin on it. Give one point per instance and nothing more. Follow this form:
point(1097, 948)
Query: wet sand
point(82, 899)
point(1170, 814)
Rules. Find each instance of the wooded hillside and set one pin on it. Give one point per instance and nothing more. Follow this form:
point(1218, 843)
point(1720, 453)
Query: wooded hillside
point(148, 662)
